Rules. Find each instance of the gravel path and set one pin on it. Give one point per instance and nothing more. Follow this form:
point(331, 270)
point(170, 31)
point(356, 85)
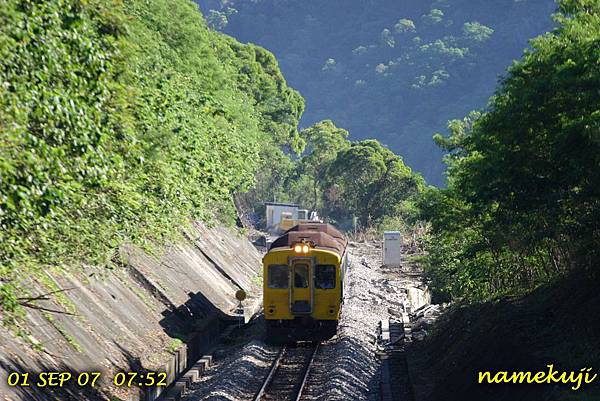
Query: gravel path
point(346, 367)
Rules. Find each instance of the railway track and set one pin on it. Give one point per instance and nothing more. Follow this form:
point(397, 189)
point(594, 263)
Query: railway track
point(288, 374)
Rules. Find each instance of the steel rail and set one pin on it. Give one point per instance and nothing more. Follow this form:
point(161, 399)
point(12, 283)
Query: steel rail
point(307, 372)
point(271, 374)
point(297, 394)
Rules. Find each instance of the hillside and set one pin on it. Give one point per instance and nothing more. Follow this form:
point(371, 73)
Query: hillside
point(121, 123)
point(135, 134)
point(514, 237)
point(125, 129)
point(556, 324)
point(394, 71)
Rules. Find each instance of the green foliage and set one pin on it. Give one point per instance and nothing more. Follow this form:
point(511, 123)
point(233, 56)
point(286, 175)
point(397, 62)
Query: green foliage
point(476, 32)
point(387, 39)
point(57, 113)
point(258, 74)
point(371, 181)
point(523, 201)
point(397, 70)
point(218, 19)
point(435, 16)
point(325, 141)
point(354, 171)
point(445, 50)
point(360, 50)
point(330, 65)
point(340, 179)
point(121, 122)
point(405, 25)
point(175, 344)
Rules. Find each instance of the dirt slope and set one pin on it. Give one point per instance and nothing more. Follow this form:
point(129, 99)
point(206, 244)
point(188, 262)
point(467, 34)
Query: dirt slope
point(558, 324)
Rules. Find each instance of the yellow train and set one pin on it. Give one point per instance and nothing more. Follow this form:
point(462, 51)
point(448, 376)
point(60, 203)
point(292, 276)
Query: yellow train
point(304, 272)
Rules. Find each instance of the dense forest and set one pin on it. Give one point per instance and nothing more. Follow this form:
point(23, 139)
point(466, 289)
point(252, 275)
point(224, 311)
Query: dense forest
point(121, 122)
point(389, 70)
point(522, 205)
point(354, 184)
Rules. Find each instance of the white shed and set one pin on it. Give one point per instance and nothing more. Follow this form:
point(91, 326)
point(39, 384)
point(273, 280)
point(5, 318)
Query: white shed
point(391, 248)
point(277, 211)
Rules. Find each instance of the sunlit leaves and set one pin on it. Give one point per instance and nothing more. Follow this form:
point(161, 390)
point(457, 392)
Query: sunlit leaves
point(373, 181)
point(405, 25)
point(121, 121)
point(435, 16)
point(523, 203)
point(476, 32)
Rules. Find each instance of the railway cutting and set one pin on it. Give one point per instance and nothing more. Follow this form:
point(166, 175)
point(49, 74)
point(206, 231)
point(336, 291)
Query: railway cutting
point(344, 367)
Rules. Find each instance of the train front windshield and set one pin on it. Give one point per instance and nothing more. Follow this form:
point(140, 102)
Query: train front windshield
point(278, 276)
point(301, 276)
point(325, 277)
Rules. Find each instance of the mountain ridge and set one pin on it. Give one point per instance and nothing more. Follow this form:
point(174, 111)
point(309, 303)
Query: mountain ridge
point(389, 71)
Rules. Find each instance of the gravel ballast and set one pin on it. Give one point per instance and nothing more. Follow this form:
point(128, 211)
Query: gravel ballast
point(346, 367)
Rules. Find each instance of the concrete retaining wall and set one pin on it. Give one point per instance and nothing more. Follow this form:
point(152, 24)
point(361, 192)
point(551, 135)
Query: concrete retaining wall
point(128, 318)
point(419, 296)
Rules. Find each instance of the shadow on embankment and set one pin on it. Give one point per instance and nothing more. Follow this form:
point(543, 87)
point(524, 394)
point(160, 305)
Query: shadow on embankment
point(198, 323)
point(557, 324)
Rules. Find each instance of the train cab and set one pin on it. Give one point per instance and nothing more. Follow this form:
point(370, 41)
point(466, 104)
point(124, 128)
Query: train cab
point(304, 273)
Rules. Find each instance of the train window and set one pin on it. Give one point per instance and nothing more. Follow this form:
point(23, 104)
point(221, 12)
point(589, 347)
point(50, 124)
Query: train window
point(278, 276)
point(301, 276)
point(325, 277)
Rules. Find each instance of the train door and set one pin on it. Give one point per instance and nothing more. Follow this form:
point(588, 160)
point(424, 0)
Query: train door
point(301, 290)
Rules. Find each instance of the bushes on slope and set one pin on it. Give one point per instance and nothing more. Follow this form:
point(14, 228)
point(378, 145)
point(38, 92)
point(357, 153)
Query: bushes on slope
point(120, 121)
point(523, 201)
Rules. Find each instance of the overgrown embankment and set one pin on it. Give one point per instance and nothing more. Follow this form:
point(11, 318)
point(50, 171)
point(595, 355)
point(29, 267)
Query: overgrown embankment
point(522, 205)
point(121, 122)
point(516, 234)
point(557, 324)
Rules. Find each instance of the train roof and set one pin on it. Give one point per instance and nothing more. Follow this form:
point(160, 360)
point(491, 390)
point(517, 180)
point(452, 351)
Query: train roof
point(321, 235)
point(320, 227)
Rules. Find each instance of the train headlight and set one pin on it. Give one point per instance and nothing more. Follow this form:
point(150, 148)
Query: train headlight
point(302, 248)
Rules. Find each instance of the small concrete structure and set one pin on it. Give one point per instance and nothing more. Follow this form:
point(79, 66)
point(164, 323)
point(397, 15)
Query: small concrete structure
point(276, 212)
point(391, 248)
point(419, 297)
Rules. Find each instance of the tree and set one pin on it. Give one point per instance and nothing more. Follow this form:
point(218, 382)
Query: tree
point(523, 197)
point(435, 16)
point(324, 141)
point(372, 180)
point(406, 86)
point(218, 19)
point(387, 39)
point(405, 26)
point(476, 32)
